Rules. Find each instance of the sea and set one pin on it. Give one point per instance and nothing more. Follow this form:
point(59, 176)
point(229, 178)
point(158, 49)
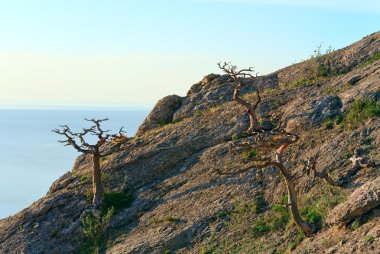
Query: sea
point(31, 159)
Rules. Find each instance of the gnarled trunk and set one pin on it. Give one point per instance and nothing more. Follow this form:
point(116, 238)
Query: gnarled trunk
point(96, 181)
point(292, 194)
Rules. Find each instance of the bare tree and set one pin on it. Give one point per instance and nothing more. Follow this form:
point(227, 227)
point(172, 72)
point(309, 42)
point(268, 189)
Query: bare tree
point(263, 142)
point(77, 140)
point(238, 78)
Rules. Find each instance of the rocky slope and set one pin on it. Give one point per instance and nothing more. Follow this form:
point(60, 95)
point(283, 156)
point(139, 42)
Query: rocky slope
point(181, 204)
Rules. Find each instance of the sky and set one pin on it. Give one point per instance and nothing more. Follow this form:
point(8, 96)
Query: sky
point(124, 53)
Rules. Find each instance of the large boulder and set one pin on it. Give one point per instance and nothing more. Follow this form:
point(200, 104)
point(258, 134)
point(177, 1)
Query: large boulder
point(161, 114)
point(359, 202)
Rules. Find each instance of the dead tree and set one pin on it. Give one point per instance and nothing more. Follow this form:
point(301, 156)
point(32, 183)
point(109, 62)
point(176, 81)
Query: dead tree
point(77, 140)
point(264, 142)
point(238, 77)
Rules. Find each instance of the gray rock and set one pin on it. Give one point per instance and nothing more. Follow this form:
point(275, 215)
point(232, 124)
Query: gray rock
point(161, 114)
point(359, 202)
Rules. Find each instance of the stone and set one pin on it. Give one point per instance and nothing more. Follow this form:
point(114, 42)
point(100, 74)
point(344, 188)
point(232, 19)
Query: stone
point(161, 114)
point(362, 200)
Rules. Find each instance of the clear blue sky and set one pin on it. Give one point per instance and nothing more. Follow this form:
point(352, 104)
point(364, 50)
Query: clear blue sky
point(120, 53)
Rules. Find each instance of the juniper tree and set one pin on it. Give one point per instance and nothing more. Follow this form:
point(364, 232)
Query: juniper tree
point(77, 140)
point(264, 142)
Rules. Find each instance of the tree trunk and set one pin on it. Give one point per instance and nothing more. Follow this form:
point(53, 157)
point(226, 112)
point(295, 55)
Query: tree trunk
point(96, 181)
point(292, 194)
point(250, 109)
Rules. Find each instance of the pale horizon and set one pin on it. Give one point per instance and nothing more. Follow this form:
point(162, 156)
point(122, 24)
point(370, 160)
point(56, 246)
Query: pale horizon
point(131, 54)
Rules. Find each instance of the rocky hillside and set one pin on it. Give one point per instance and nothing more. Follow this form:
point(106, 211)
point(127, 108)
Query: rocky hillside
point(174, 200)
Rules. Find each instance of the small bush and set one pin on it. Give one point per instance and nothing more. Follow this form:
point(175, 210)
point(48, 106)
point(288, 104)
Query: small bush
point(117, 200)
point(235, 137)
point(94, 228)
point(250, 154)
point(88, 196)
point(259, 203)
point(371, 60)
point(355, 225)
point(260, 227)
point(313, 215)
point(329, 125)
point(282, 216)
point(198, 113)
point(169, 218)
point(84, 179)
point(359, 112)
point(368, 238)
point(300, 82)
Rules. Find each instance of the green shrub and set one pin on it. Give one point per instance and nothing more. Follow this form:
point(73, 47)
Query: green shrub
point(339, 119)
point(300, 82)
point(117, 200)
point(84, 179)
point(371, 60)
point(329, 125)
point(259, 203)
point(359, 112)
point(198, 113)
point(313, 215)
point(260, 227)
point(169, 218)
point(282, 216)
point(235, 137)
point(356, 224)
point(94, 228)
point(88, 196)
point(250, 154)
point(368, 238)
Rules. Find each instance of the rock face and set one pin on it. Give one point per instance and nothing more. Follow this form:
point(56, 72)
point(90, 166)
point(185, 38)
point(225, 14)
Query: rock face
point(358, 203)
point(171, 167)
point(161, 114)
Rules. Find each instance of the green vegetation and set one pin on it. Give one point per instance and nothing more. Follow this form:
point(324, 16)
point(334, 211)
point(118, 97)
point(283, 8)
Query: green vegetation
point(94, 229)
point(198, 112)
point(166, 218)
point(116, 200)
point(250, 154)
point(314, 215)
point(355, 225)
point(259, 203)
point(299, 237)
point(281, 216)
point(105, 177)
point(167, 252)
point(261, 226)
point(84, 179)
point(317, 206)
point(169, 218)
point(235, 137)
point(360, 111)
point(301, 82)
point(368, 238)
point(329, 125)
point(371, 60)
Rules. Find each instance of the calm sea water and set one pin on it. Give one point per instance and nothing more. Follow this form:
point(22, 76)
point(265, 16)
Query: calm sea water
point(31, 159)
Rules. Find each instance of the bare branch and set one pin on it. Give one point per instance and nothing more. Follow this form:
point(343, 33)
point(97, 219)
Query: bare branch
point(238, 76)
point(311, 166)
